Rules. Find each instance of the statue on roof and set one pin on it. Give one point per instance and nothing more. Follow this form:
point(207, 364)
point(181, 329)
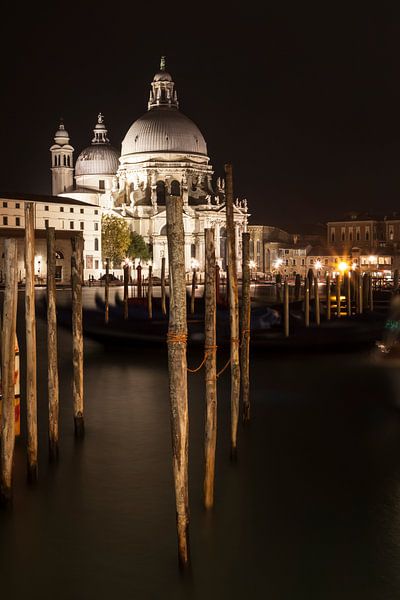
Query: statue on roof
point(162, 63)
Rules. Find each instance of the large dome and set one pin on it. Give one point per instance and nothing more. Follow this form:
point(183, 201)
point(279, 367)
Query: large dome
point(164, 129)
point(98, 159)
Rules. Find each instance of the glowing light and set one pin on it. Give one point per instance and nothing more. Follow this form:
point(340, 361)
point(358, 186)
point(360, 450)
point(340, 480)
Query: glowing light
point(252, 264)
point(318, 264)
point(343, 266)
point(278, 263)
point(372, 260)
point(354, 266)
point(194, 263)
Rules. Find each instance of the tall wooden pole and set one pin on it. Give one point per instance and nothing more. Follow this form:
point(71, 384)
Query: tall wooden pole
point(177, 367)
point(297, 286)
point(371, 294)
point(278, 285)
point(52, 360)
point(106, 294)
point(193, 292)
point(338, 283)
point(360, 293)
point(163, 302)
point(30, 325)
point(126, 290)
point(246, 316)
point(307, 301)
point(286, 307)
point(139, 280)
point(316, 301)
point(7, 369)
point(348, 293)
point(211, 370)
point(328, 297)
point(77, 333)
point(234, 308)
point(150, 292)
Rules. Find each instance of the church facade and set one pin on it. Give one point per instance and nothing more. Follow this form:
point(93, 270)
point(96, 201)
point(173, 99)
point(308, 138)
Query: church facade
point(162, 153)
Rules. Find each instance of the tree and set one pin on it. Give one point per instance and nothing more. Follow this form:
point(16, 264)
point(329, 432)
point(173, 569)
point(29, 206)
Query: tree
point(115, 238)
point(138, 247)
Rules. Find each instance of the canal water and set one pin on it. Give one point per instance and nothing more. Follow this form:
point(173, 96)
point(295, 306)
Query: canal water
point(311, 510)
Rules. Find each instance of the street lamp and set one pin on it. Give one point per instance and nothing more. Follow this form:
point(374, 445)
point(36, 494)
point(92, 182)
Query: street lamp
point(252, 265)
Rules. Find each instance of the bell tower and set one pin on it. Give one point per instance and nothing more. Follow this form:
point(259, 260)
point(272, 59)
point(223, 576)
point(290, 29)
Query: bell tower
point(62, 162)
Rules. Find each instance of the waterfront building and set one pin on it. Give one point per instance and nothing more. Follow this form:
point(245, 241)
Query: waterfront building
point(163, 152)
point(68, 216)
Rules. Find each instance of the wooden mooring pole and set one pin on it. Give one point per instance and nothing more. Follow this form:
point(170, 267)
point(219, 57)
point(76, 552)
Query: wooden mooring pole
point(307, 301)
point(316, 302)
point(30, 327)
point(163, 301)
point(348, 293)
point(126, 290)
point(77, 333)
point(177, 367)
point(246, 316)
point(210, 370)
point(139, 281)
point(360, 293)
point(338, 302)
point(286, 307)
point(328, 297)
point(106, 290)
point(7, 370)
point(193, 292)
point(150, 292)
point(278, 286)
point(371, 293)
point(233, 307)
point(297, 286)
point(52, 360)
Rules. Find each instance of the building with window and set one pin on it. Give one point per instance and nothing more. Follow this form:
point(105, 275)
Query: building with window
point(68, 216)
point(163, 152)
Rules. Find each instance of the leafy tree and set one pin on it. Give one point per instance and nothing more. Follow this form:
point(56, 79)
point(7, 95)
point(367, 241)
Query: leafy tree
point(138, 247)
point(115, 238)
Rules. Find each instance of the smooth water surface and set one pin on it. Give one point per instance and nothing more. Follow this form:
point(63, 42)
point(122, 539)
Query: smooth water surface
point(311, 510)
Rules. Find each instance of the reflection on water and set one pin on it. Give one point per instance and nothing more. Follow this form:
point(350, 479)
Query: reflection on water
point(311, 509)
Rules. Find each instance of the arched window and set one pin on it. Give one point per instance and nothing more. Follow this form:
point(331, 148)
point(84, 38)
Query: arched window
point(64, 160)
point(163, 230)
point(96, 244)
point(160, 191)
point(175, 188)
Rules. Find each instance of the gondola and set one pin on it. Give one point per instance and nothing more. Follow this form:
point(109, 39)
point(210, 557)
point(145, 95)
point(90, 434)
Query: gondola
point(266, 328)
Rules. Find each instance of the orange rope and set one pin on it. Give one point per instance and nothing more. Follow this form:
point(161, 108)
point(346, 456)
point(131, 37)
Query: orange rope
point(200, 366)
point(176, 338)
point(208, 351)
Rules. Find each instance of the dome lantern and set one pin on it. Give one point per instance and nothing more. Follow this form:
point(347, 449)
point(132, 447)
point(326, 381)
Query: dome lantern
point(162, 89)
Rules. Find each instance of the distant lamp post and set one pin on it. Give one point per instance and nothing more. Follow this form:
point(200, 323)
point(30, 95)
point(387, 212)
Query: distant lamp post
point(252, 265)
point(354, 266)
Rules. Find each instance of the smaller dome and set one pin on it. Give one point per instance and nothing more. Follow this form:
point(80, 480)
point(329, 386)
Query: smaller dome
point(98, 159)
point(62, 133)
point(162, 76)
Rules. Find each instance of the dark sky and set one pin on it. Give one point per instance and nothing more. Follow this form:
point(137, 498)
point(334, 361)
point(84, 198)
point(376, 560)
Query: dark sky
point(303, 99)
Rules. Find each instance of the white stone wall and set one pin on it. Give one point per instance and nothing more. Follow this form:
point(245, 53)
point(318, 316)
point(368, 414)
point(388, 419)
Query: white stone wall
point(63, 217)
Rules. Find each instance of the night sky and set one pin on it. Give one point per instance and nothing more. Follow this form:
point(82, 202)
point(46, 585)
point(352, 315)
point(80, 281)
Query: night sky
point(304, 100)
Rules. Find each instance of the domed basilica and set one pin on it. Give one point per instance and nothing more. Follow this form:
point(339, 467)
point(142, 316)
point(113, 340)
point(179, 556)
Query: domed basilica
point(162, 152)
